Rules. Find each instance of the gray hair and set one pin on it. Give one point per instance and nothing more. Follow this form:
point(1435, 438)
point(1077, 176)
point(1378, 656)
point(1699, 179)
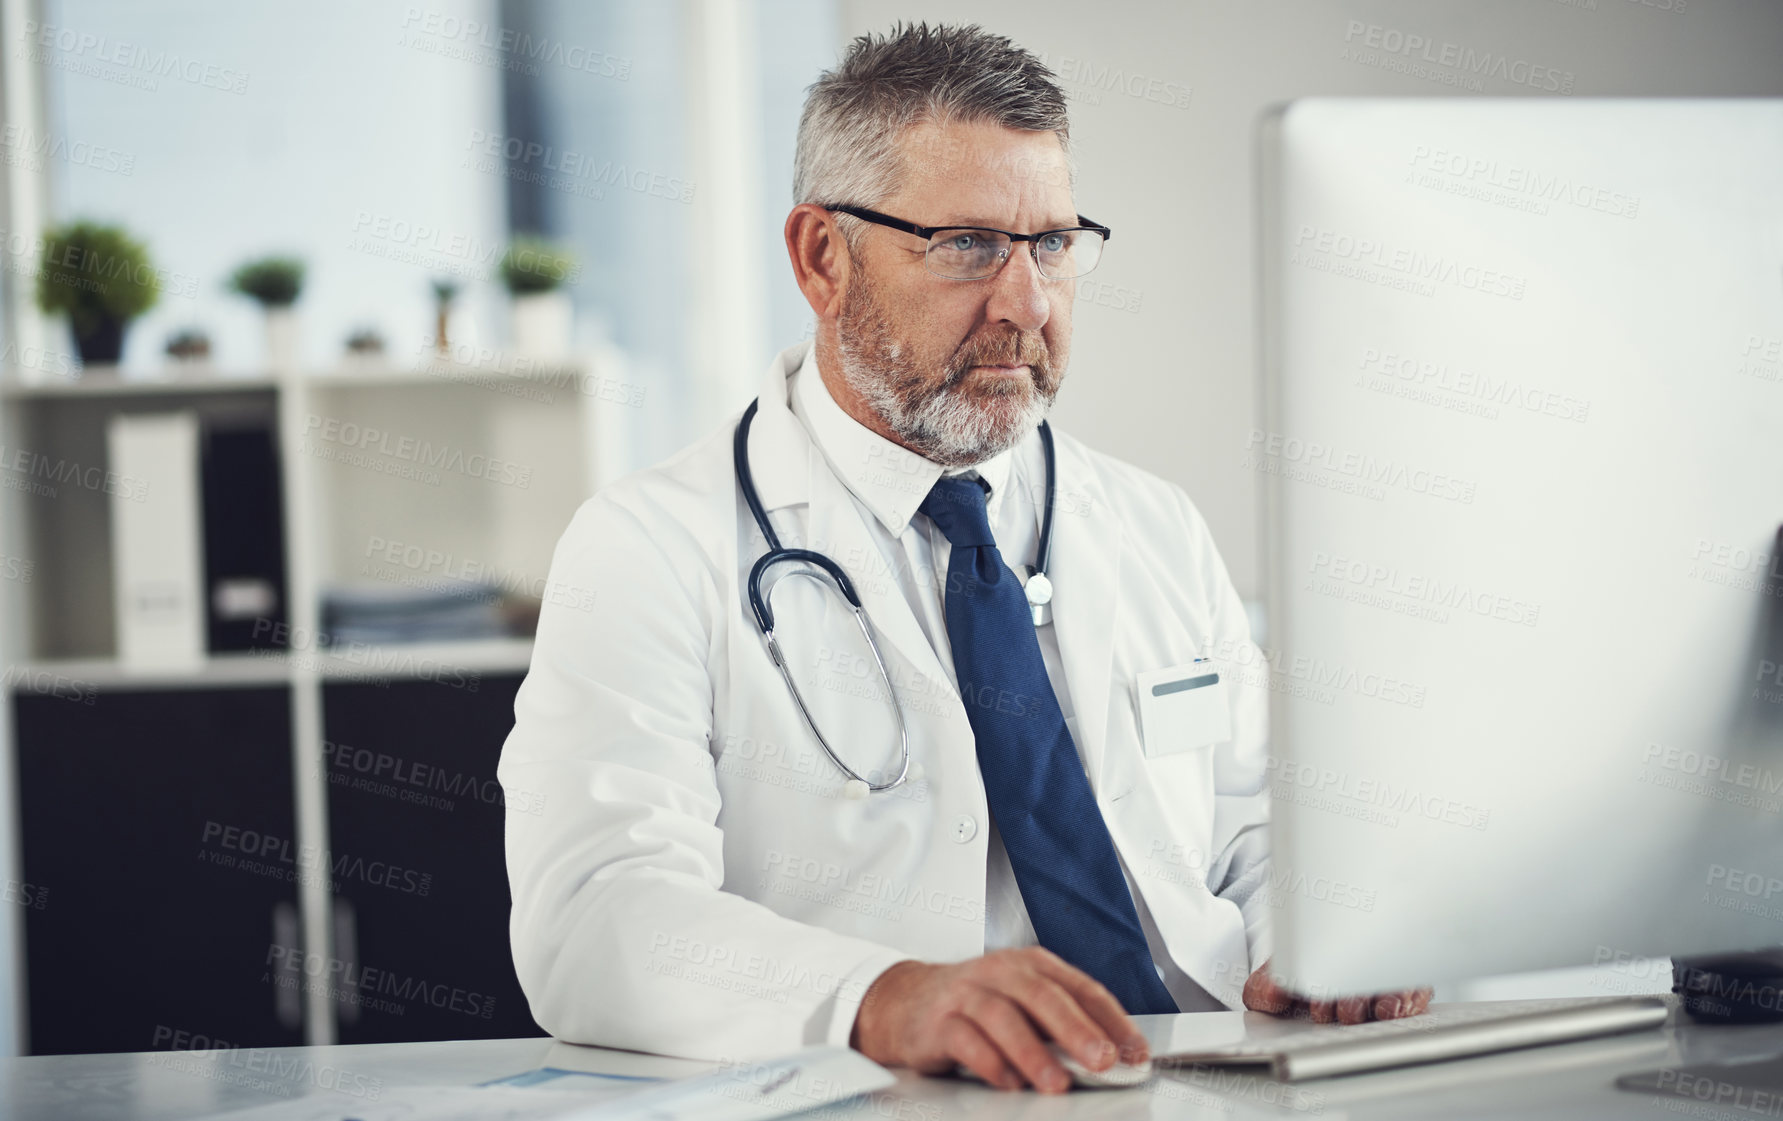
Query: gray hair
point(854, 115)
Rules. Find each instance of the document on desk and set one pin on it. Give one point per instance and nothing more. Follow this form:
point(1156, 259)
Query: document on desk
point(747, 1091)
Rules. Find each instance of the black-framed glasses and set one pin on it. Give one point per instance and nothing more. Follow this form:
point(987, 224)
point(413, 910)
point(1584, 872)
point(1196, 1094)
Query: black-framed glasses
point(975, 252)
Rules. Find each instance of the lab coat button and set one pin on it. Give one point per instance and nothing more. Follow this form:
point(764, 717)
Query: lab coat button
point(964, 828)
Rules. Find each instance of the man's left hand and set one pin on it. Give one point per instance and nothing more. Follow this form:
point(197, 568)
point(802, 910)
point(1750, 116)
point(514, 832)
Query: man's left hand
point(1262, 994)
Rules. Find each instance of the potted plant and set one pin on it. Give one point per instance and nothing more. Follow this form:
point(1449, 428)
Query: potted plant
point(535, 271)
point(189, 349)
point(444, 292)
point(275, 283)
point(365, 345)
point(101, 278)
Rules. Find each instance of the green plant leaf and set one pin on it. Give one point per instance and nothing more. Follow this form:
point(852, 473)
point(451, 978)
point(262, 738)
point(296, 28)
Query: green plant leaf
point(273, 281)
point(95, 274)
point(535, 264)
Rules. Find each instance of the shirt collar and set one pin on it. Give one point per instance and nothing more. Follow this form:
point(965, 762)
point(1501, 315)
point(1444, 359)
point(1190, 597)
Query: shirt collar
point(889, 480)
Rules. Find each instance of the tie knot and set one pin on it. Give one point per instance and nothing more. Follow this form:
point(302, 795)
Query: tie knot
point(956, 505)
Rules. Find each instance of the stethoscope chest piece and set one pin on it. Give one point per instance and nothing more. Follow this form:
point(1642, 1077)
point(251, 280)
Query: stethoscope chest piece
point(1039, 592)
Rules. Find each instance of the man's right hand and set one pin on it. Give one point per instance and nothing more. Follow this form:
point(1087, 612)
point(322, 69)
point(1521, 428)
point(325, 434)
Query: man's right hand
point(983, 1014)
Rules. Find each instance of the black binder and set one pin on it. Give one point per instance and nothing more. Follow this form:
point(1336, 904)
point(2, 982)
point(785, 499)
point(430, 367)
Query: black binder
point(244, 536)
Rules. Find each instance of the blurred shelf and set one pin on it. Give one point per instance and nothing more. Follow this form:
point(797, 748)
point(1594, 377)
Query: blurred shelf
point(441, 661)
point(451, 663)
point(110, 385)
point(108, 673)
point(501, 368)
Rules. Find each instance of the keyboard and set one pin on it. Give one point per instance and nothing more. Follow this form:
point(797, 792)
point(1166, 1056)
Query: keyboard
point(1295, 1051)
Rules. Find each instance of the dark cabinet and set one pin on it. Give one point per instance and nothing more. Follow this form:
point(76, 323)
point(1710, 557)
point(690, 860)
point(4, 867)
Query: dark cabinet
point(158, 828)
point(420, 885)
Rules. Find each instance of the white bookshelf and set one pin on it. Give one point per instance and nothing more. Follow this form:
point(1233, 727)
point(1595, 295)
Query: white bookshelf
point(538, 418)
point(547, 420)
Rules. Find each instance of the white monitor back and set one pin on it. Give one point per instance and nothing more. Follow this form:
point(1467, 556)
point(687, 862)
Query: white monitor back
point(1523, 453)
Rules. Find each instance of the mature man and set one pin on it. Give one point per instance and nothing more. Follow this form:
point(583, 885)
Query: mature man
point(749, 845)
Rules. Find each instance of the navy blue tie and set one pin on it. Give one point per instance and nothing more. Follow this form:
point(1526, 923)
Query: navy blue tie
point(1064, 859)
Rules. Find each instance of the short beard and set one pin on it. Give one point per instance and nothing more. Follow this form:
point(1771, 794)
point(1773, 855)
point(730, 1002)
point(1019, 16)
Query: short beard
point(940, 420)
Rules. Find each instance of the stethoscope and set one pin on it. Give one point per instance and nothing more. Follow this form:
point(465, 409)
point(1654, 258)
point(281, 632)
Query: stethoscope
point(1037, 588)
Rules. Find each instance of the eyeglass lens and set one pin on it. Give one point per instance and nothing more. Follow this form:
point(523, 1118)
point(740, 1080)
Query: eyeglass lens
point(971, 254)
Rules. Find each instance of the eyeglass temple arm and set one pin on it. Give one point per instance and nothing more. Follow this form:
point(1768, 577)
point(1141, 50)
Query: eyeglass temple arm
point(874, 216)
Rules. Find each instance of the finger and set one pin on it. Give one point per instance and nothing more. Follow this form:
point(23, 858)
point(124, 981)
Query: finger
point(1354, 1009)
point(1262, 994)
point(1321, 1011)
point(1391, 1006)
point(1010, 1032)
point(1420, 1002)
point(1059, 1015)
point(966, 1045)
point(1100, 1005)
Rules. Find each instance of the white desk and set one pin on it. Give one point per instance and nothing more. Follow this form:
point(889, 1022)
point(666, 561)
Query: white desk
point(1571, 1082)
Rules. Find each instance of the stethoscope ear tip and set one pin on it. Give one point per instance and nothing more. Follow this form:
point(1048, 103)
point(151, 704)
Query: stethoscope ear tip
point(854, 789)
point(915, 774)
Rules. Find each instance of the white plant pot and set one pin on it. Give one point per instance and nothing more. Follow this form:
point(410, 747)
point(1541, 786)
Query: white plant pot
point(363, 359)
point(543, 325)
point(191, 367)
point(282, 342)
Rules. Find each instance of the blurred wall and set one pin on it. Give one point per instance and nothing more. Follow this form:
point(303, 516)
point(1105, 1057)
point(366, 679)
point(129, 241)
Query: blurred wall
point(653, 280)
point(337, 132)
point(1165, 95)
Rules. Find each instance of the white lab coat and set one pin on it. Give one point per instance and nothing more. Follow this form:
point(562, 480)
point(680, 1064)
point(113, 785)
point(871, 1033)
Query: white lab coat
point(686, 876)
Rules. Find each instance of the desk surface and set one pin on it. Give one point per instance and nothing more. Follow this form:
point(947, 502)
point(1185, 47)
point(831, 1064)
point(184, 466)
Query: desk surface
point(1570, 1081)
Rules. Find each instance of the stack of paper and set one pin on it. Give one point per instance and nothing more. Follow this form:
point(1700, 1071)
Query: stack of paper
point(758, 1091)
point(442, 611)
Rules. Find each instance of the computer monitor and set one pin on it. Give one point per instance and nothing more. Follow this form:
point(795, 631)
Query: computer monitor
point(1522, 450)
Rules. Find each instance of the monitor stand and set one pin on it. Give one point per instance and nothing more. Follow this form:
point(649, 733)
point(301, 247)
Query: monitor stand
point(1731, 988)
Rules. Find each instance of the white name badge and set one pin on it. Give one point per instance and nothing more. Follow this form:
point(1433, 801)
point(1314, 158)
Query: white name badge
point(1183, 707)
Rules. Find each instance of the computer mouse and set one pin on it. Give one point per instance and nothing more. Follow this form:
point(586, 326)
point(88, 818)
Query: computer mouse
point(1117, 1076)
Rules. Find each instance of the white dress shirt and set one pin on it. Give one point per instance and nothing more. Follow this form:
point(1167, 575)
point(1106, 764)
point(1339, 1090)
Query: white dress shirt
point(888, 484)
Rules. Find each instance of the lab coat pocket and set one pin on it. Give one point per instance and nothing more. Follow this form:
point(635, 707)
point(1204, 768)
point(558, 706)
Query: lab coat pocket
point(1183, 708)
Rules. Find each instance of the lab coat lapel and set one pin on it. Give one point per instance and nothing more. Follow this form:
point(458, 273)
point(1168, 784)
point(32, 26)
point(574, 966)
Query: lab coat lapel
point(790, 469)
point(1085, 569)
point(839, 528)
point(778, 445)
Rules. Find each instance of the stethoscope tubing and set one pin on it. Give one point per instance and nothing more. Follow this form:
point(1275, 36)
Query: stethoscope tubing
point(762, 608)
